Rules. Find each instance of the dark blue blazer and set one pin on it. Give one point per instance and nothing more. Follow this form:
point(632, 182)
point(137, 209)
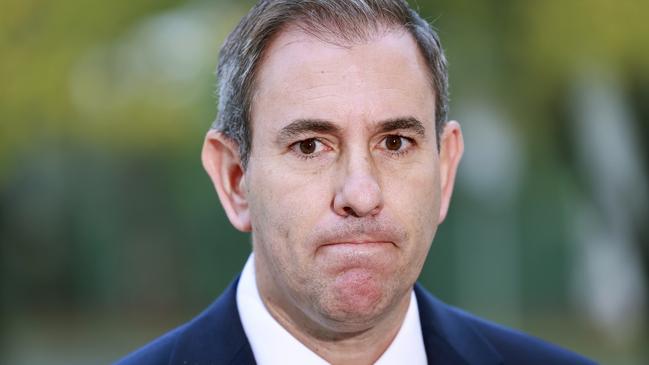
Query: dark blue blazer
point(451, 337)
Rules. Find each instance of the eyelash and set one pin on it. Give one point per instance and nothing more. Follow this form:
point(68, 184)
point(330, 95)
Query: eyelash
point(399, 153)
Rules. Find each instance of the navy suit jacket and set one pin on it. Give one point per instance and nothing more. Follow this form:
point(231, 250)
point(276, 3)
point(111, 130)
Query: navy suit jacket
point(450, 335)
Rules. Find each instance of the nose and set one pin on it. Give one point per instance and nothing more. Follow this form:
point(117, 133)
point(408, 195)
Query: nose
point(359, 193)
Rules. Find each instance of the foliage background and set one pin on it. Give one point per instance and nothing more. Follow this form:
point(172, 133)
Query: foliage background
point(110, 232)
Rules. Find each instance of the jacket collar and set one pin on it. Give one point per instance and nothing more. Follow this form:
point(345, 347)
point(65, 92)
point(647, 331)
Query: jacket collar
point(449, 337)
point(217, 336)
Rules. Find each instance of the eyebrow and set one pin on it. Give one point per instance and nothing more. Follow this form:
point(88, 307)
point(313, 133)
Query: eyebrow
point(302, 126)
point(407, 123)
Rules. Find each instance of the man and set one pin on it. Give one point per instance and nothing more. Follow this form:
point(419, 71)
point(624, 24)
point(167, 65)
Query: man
point(333, 149)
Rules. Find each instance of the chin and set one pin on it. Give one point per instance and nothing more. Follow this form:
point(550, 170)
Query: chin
point(356, 299)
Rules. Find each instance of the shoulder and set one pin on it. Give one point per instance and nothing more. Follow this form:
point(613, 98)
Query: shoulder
point(517, 347)
point(474, 336)
point(214, 336)
point(157, 352)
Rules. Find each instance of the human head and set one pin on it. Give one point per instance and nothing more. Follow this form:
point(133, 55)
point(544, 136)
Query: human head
point(346, 183)
point(349, 21)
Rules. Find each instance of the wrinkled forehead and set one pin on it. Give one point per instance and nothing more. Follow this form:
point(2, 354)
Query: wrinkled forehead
point(334, 36)
point(302, 76)
point(302, 41)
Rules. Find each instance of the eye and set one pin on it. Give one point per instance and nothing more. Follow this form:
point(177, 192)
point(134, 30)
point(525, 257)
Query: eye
point(396, 143)
point(308, 147)
point(393, 143)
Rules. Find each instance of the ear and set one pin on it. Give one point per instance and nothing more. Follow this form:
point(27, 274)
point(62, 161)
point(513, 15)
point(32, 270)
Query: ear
point(221, 161)
point(451, 150)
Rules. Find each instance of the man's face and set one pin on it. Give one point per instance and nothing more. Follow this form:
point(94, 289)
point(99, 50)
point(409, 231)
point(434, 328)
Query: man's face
point(343, 181)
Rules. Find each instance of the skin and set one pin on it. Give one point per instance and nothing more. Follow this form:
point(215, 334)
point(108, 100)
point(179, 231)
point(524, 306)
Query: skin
point(344, 188)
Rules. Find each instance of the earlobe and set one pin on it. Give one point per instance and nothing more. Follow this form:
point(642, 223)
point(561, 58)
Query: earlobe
point(451, 150)
point(221, 161)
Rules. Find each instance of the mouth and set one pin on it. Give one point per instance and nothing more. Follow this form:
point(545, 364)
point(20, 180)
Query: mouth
point(365, 255)
point(356, 249)
point(358, 243)
point(359, 235)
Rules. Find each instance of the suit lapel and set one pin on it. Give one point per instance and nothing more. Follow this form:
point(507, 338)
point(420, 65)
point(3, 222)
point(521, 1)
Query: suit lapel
point(448, 338)
point(216, 336)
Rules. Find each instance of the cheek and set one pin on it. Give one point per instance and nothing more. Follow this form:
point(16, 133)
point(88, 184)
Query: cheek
point(284, 208)
point(414, 197)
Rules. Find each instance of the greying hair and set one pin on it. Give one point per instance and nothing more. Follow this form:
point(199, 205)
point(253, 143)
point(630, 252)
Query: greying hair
point(346, 21)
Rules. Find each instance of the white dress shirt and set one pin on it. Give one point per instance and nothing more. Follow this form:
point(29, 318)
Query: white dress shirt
point(272, 344)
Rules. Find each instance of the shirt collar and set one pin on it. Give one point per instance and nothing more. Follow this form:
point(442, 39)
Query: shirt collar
point(270, 342)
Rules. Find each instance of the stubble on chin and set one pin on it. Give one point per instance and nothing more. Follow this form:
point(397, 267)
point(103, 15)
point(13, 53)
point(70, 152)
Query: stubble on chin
point(332, 291)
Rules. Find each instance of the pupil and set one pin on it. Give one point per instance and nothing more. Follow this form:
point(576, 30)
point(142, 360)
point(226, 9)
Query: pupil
point(307, 147)
point(393, 143)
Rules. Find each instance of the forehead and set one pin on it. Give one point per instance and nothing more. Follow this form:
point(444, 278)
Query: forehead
point(303, 76)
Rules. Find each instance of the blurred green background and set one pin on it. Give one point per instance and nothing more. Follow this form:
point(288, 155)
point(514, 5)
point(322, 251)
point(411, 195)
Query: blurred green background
point(111, 233)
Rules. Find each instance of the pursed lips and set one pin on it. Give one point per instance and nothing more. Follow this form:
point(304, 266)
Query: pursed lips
point(358, 242)
point(361, 240)
point(355, 247)
point(357, 254)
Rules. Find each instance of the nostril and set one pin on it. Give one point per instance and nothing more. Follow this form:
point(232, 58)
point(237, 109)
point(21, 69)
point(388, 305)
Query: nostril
point(350, 211)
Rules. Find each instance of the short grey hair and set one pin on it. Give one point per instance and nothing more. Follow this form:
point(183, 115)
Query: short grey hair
point(348, 21)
